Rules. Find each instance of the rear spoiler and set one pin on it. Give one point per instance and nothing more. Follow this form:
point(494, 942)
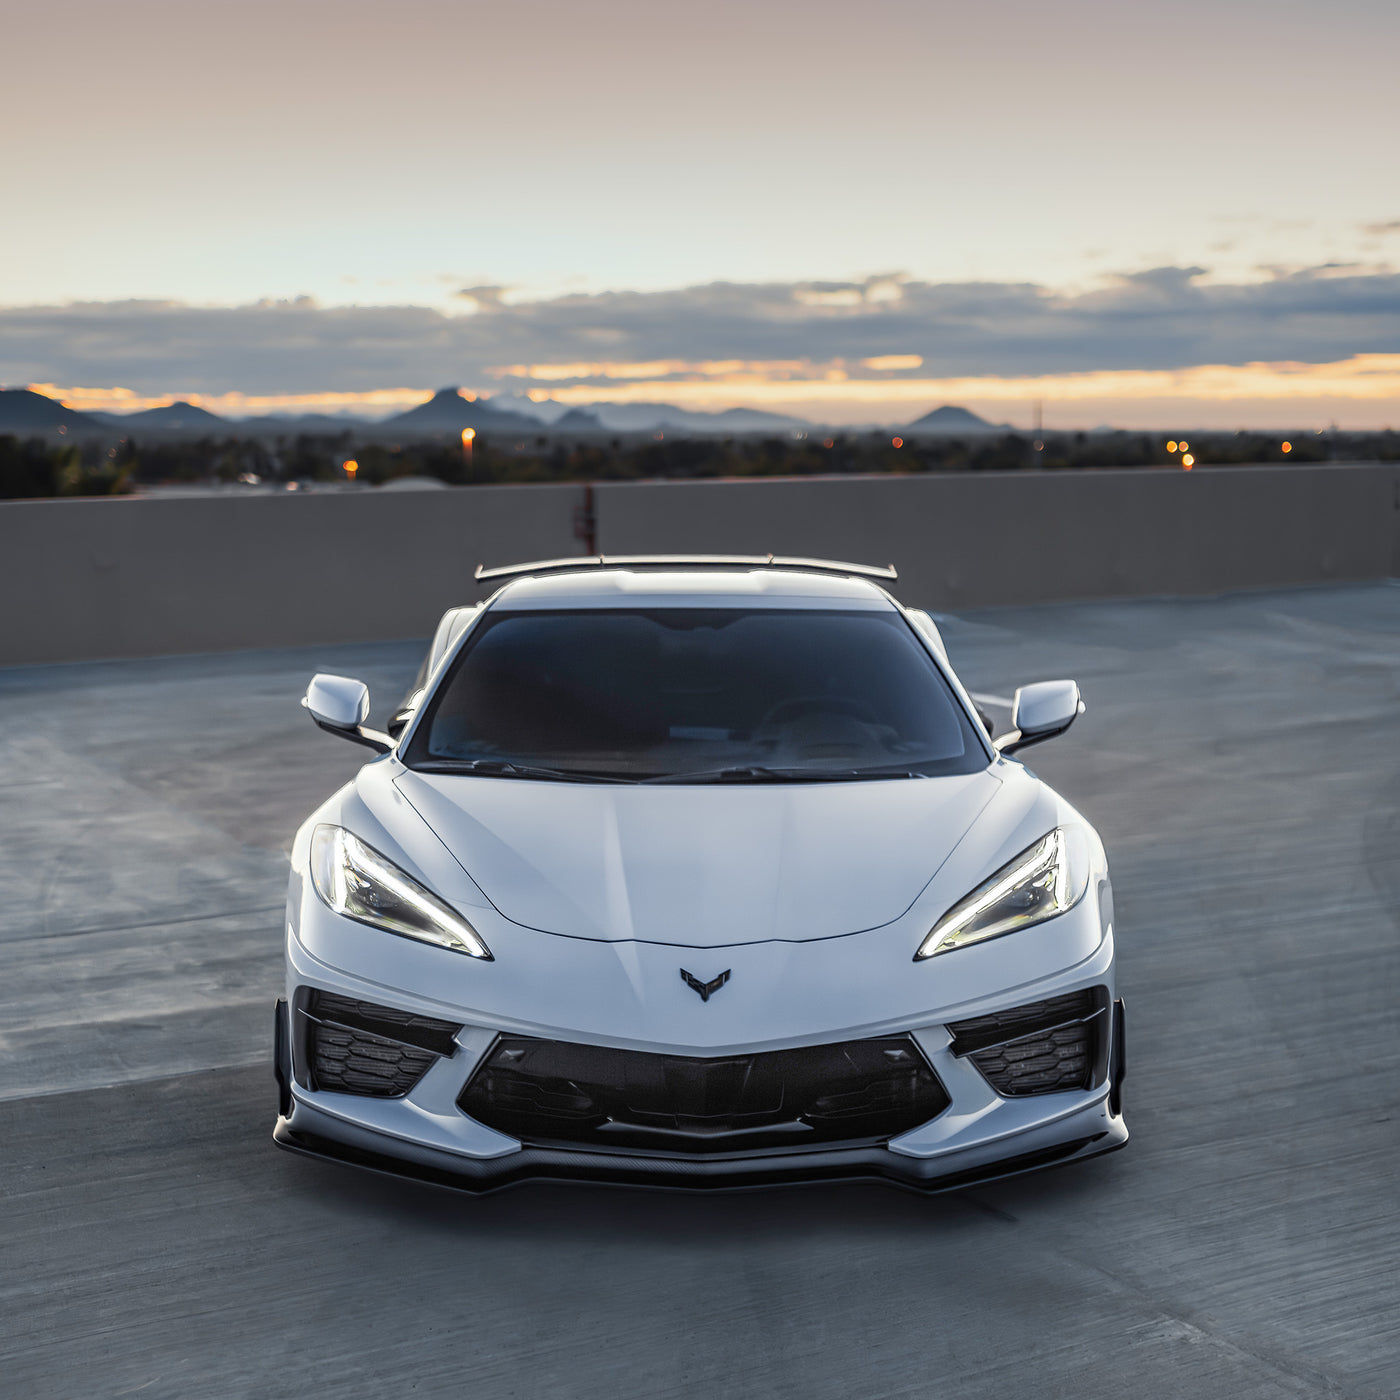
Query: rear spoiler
point(685, 561)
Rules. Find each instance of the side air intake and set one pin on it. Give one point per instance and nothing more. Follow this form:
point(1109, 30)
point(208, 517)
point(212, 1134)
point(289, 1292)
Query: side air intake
point(1042, 1047)
point(349, 1046)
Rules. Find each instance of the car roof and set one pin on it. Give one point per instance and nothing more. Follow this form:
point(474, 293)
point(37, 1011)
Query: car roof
point(765, 587)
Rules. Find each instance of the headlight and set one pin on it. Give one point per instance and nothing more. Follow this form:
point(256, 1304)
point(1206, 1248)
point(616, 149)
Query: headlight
point(355, 880)
point(1040, 883)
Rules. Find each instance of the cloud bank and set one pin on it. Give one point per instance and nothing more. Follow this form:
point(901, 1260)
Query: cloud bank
point(855, 348)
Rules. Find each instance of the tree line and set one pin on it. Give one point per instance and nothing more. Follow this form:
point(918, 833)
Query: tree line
point(34, 467)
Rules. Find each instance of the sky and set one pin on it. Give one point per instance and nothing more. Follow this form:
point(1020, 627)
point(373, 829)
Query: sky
point(1146, 215)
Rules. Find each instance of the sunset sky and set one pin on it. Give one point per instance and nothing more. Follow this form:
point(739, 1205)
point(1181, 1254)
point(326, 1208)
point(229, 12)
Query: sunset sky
point(1145, 215)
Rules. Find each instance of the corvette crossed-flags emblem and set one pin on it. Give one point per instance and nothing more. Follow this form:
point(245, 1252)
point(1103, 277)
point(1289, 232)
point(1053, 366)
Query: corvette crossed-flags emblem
point(705, 989)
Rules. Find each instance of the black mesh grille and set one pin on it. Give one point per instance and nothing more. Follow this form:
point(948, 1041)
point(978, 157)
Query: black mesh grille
point(356, 1062)
point(1041, 1047)
point(360, 1047)
point(1001, 1026)
point(423, 1031)
point(1041, 1063)
point(549, 1092)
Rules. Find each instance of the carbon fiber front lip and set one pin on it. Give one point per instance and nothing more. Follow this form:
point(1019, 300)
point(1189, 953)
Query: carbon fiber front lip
point(478, 1177)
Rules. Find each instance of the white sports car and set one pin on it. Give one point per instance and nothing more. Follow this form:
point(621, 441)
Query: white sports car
point(698, 872)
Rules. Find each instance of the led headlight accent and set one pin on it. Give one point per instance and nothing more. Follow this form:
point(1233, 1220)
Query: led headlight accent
point(1043, 881)
point(355, 880)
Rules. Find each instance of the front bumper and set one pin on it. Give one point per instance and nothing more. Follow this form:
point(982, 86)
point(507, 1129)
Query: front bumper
point(629, 997)
point(979, 1136)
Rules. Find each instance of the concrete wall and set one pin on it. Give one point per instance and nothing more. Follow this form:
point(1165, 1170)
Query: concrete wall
point(102, 578)
point(981, 539)
point(129, 577)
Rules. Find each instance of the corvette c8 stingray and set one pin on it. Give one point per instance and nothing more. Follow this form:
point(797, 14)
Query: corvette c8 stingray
point(697, 872)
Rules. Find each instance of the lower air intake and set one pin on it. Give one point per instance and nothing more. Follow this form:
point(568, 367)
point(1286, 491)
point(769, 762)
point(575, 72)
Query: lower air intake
point(1040, 1064)
point(1042, 1047)
point(356, 1062)
point(360, 1047)
point(551, 1093)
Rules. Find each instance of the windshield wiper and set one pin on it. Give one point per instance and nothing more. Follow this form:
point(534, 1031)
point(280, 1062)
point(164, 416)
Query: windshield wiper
point(755, 773)
point(505, 768)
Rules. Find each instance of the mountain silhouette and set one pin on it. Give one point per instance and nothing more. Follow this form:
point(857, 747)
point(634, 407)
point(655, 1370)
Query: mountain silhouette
point(24, 411)
point(283, 424)
point(579, 420)
point(951, 419)
point(643, 417)
point(180, 417)
point(444, 415)
point(448, 412)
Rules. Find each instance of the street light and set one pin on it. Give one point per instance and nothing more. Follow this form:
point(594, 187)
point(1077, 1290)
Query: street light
point(351, 467)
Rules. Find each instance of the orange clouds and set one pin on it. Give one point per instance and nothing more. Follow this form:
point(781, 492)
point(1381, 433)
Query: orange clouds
point(1363, 387)
point(720, 383)
point(118, 400)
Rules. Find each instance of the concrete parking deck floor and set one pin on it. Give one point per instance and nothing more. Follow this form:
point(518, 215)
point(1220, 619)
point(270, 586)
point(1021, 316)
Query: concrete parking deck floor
point(1241, 757)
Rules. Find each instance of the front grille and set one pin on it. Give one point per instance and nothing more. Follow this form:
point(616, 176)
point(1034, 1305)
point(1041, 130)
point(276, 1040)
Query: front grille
point(550, 1093)
point(359, 1047)
point(1042, 1047)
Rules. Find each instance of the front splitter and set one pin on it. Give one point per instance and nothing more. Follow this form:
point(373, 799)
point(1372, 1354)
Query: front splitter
point(480, 1176)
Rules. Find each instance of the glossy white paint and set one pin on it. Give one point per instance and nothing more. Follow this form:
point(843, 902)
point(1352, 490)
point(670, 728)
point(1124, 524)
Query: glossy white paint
point(925, 624)
point(699, 588)
point(631, 994)
point(448, 633)
point(1047, 707)
point(701, 865)
point(814, 897)
point(337, 700)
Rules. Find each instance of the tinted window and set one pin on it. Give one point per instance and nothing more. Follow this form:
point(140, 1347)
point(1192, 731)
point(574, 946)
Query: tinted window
point(668, 691)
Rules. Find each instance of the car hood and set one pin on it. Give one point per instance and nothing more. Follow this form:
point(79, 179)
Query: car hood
point(699, 866)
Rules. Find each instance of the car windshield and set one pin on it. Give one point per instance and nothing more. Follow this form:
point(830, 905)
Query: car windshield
point(696, 695)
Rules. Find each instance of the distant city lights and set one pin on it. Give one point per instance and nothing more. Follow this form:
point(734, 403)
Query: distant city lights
point(1188, 461)
point(896, 442)
point(351, 467)
point(828, 442)
point(468, 436)
point(1183, 445)
point(1287, 447)
point(1171, 447)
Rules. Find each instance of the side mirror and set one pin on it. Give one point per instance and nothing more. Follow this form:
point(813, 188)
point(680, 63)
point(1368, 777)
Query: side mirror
point(1039, 712)
point(340, 705)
